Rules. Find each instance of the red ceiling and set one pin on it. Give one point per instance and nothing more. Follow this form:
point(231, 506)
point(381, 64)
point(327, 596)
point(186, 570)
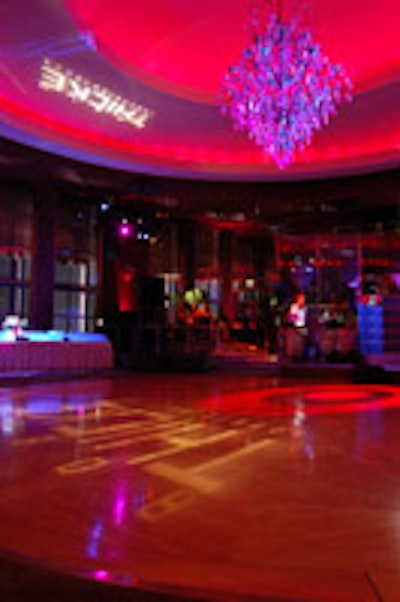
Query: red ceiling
point(169, 55)
point(184, 47)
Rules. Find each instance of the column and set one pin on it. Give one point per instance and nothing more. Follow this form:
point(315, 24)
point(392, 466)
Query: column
point(187, 251)
point(107, 303)
point(225, 253)
point(43, 257)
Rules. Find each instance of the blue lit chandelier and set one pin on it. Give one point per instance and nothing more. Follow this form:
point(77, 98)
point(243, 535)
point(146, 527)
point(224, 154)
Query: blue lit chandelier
point(282, 88)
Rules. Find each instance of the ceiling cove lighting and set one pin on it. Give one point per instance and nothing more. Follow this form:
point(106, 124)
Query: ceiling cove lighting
point(55, 78)
point(283, 88)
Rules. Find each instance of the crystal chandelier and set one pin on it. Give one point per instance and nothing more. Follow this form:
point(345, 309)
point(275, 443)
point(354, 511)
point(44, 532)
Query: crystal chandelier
point(283, 88)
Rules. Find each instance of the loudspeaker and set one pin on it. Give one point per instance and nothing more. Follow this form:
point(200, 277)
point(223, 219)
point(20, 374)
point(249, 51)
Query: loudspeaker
point(151, 300)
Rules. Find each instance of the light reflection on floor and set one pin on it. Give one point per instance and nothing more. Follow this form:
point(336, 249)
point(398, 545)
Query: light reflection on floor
point(205, 481)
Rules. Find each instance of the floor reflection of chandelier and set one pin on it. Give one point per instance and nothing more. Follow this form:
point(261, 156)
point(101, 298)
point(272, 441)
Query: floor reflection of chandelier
point(283, 88)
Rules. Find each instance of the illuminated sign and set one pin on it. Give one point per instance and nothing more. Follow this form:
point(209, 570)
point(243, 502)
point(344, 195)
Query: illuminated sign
point(55, 78)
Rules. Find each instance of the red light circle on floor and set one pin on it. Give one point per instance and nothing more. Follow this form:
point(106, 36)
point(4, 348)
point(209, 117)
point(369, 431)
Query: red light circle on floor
point(314, 399)
point(335, 396)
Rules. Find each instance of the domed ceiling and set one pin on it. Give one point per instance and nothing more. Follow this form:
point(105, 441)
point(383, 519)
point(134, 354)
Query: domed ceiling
point(133, 85)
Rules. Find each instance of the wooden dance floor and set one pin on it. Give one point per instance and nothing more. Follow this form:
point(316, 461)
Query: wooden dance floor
point(207, 485)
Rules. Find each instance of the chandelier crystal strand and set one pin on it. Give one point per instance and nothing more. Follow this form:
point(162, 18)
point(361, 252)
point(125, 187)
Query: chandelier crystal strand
point(283, 88)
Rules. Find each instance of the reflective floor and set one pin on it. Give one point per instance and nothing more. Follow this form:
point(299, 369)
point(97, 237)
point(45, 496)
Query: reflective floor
point(212, 482)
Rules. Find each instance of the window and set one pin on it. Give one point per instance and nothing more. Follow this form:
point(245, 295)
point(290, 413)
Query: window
point(76, 266)
point(74, 297)
point(15, 271)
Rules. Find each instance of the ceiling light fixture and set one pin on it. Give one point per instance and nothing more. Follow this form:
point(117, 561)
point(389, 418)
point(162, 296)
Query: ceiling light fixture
point(283, 88)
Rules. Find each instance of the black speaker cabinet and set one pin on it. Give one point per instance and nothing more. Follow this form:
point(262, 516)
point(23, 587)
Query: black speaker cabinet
point(151, 299)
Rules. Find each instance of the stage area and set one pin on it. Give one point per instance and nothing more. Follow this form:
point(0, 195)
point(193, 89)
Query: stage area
point(210, 485)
